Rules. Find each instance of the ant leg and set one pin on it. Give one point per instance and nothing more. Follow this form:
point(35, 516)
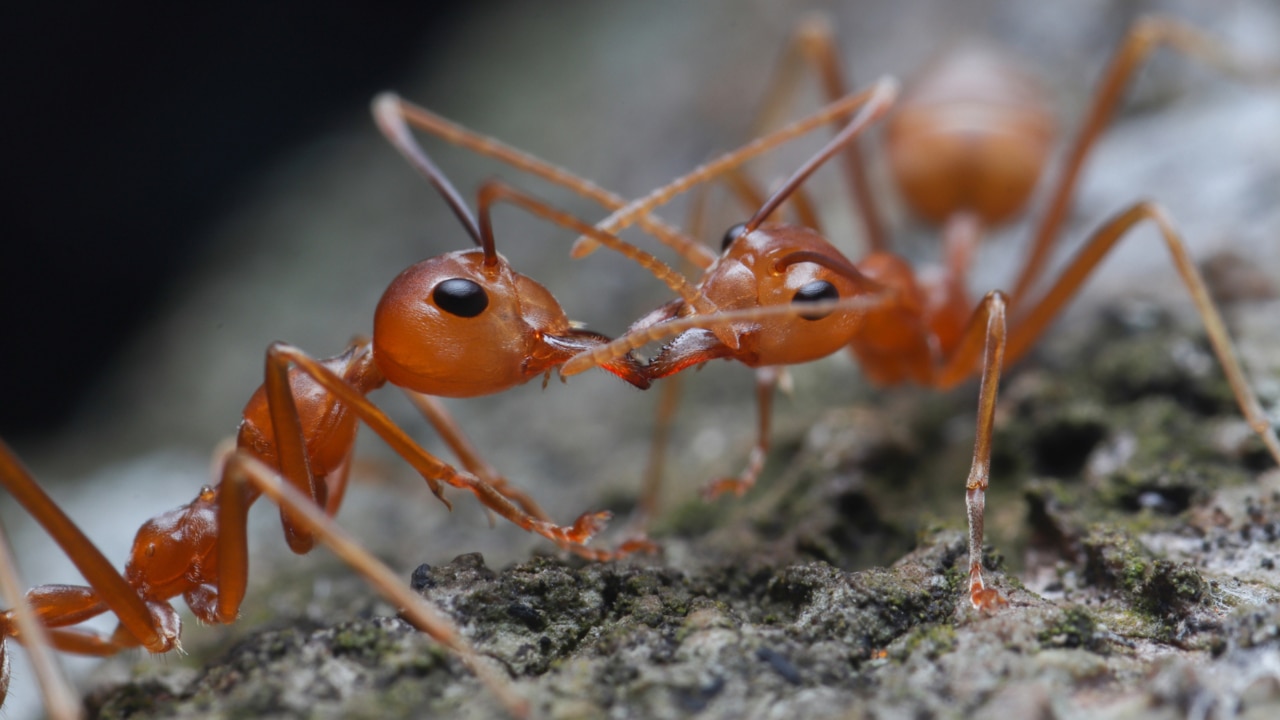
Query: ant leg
point(432, 470)
point(60, 699)
point(461, 446)
point(650, 499)
point(1029, 325)
point(813, 44)
point(388, 106)
point(985, 334)
point(651, 492)
point(766, 381)
point(243, 470)
point(866, 106)
point(1147, 34)
point(291, 449)
point(960, 239)
point(153, 625)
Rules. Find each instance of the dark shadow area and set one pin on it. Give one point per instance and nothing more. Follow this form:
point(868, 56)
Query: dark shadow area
point(127, 132)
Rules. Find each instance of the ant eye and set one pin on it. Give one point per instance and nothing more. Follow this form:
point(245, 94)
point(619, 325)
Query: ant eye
point(460, 297)
point(730, 235)
point(815, 291)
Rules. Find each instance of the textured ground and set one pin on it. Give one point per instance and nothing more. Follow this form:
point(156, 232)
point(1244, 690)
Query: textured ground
point(1127, 497)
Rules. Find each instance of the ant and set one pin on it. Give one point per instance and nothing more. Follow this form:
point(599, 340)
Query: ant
point(967, 145)
point(461, 324)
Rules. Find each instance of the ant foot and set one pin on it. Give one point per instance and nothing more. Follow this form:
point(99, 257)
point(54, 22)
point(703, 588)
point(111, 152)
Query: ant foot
point(586, 527)
point(628, 547)
point(988, 599)
point(638, 545)
point(737, 486)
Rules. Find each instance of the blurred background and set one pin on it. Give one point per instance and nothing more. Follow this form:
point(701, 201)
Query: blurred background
point(187, 186)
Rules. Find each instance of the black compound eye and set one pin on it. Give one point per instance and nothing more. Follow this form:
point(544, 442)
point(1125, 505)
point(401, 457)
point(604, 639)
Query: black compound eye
point(815, 291)
point(732, 234)
point(461, 297)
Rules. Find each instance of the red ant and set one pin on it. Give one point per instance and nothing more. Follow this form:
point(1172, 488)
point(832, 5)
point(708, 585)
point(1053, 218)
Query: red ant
point(461, 324)
point(966, 145)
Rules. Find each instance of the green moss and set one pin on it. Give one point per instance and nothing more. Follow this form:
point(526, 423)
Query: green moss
point(1154, 585)
point(365, 642)
point(1075, 628)
point(931, 641)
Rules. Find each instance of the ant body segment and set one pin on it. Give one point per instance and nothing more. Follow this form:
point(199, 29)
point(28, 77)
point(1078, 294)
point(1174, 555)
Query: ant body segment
point(967, 146)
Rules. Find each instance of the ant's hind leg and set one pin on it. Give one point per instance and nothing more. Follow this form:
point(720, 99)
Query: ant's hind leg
point(60, 700)
point(154, 626)
point(1028, 326)
point(1143, 38)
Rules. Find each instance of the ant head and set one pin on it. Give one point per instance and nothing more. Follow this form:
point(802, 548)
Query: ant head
point(774, 265)
point(465, 324)
point(457, 326)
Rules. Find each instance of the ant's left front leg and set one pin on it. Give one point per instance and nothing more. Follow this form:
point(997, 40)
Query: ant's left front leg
point(1029, 325)
point(461, 446)
point(451, 433)
point(296, 472)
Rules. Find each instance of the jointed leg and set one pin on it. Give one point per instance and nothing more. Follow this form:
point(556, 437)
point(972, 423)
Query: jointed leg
point(291, 449)
point(986, 333)
point(244, 470)
point(463, 449)
point(1029, 325)
point(432, 470)
point(147, 624)
point(651, 491)
point(668, 401)
point(20, 622)
point(1143, 38)
point(766, 381)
